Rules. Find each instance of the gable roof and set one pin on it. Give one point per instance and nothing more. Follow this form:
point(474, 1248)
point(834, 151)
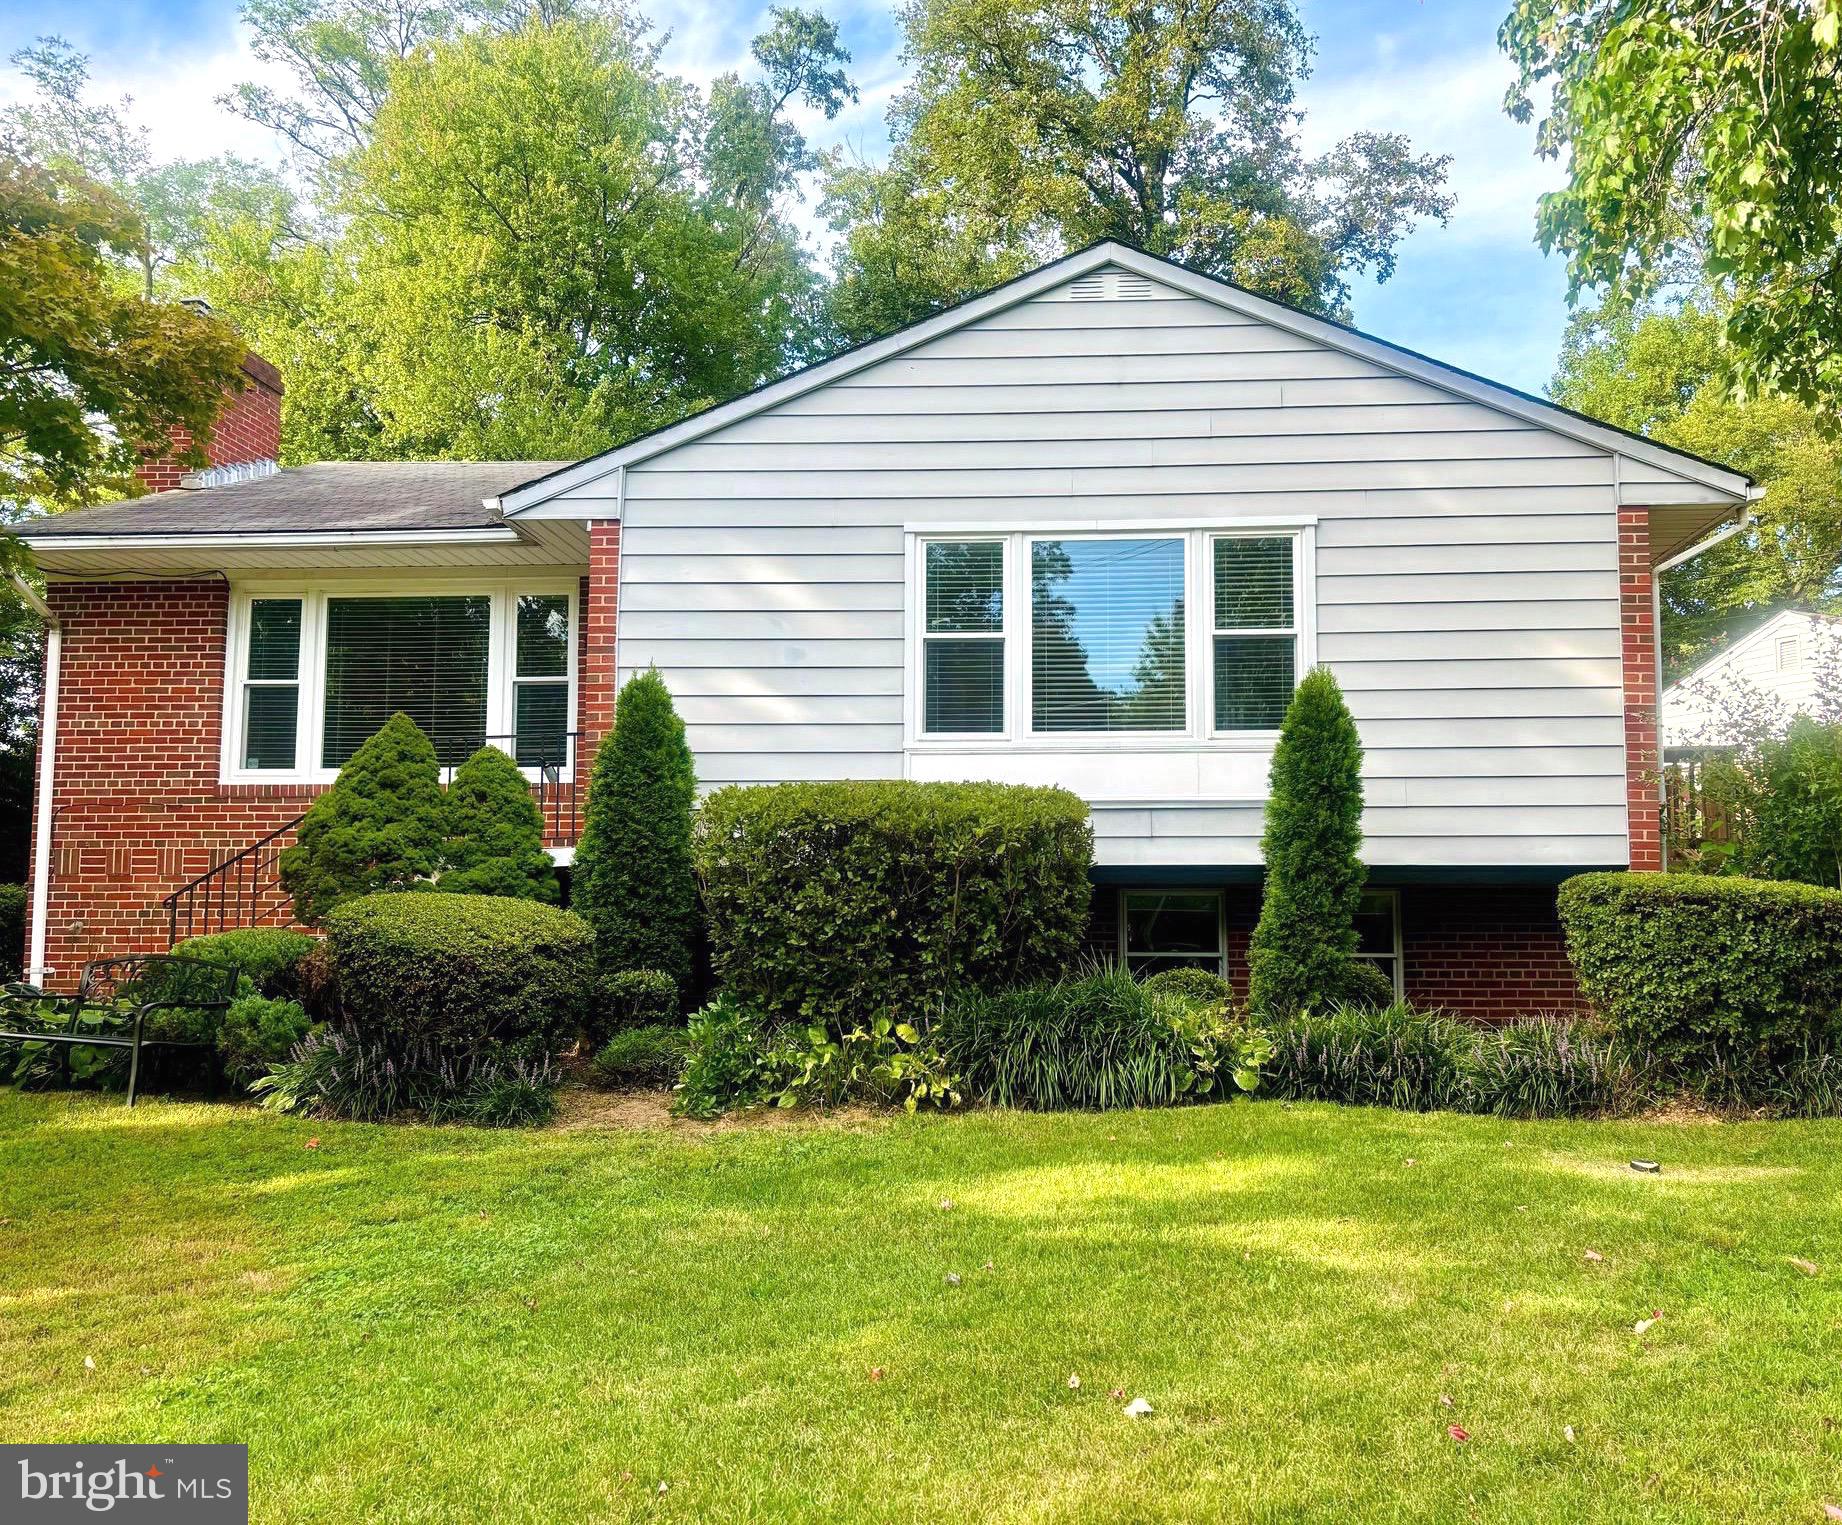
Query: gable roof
point(1765, 630)
point(1728, 484)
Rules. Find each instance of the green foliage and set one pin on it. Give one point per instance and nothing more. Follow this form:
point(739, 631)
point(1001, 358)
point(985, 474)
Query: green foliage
point(880, 1061)
point(461, 974)
point(1033, 128)
point(336, 1073)
point(1422, 1062)
point(1663, 372)
point(633, 878)
point(91, 378)
point(631, 998)
point(259, 1032)
point(1692, 127)
point(495, 840)
point(1705, 970)
point(1366, 986)
point(378, 828)
point(268, 957)
point(1303, 947)
point(836, 903)
point(1099, 1041)
point(728, 1064)
point(1199, 987)
point(13, 901)
point(643, 1056)
point(1795, 831)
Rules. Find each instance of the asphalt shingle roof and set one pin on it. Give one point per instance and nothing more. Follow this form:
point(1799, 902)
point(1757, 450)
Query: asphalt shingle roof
point(334, 495)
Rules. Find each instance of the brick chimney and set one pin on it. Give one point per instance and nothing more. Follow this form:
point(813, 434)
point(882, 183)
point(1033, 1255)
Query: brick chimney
point(247, 432)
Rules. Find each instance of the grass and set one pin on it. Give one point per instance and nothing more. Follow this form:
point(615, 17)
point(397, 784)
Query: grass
point(416, 1324)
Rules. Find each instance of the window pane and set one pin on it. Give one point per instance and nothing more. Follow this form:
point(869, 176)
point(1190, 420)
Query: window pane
point(1187, 923)
point(1389, 967)
point(1253, 681)
point(963, 687)
point(271, 714)
point(274, 638)
point(423, 656)
point(1107, 635)
point(1253, 583)
point(543, 720)
point(1375, 924)
point(965, 586)
point(543, 635)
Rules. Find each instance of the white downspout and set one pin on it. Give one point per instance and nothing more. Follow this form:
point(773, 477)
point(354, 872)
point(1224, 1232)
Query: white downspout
point(47, 749)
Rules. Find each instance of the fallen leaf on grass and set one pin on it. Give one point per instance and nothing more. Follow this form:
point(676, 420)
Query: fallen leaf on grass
point(1808, 1267)
point(1410, 1162)
point(1116, 1393)
point(1458, 1432)
point(1831, 1512)
point(1595, 1257)
point(312, 1143)
point(1138, 1408)
point(988, 1266)
point(89, 1363)
point(1644, 1325)
point(1445, 1401)
point(1074, 1383)
point(952, 1278)
point(1567, 1433)
point(946, 1204)
point(876, 1374)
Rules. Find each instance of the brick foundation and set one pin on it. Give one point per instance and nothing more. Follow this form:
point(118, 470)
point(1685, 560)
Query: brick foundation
point(1637, 618)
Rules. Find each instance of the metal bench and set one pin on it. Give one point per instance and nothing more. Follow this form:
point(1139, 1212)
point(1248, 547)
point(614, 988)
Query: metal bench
point(113, 1001)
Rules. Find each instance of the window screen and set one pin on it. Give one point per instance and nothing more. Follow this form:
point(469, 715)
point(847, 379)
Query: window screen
point(1170, 929)
point(963, 643)
point(424, 656)
point(272, 683)
point(1255, 632)
point(540, 681)
point(1107, 635)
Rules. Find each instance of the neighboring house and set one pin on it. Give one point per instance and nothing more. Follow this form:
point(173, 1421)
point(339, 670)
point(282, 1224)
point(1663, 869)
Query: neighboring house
point(1780, 658)
point(1087, 529)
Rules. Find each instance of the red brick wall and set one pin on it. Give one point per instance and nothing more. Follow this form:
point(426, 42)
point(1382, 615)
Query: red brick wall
point(596, 684)
point(1490, 953)
point(1643, 768)
point(248, 429)
point(138, 806)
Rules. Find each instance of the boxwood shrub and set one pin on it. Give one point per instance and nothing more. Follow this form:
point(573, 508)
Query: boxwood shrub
point(462, 974)
point(836, 902)
point(1704, 970)
point(268, 957)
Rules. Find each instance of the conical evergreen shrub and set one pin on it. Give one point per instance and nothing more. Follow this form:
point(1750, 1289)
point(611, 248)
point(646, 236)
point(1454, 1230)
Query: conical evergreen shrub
point(496, 833)
point(1303, 949)
point(633, 880)
point(378, 828)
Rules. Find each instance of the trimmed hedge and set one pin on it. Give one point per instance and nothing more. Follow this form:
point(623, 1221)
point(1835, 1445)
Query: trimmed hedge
point(268, 957)
point(12, 930)
point(1187, 983)
point(1700, 969)
point(630, 998)
point(836, 902)
point(652, 1055)
point(465, 974)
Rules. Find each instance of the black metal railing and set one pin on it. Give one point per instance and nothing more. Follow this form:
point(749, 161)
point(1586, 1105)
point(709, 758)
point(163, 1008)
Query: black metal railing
point(556, 780)
point(245, 890)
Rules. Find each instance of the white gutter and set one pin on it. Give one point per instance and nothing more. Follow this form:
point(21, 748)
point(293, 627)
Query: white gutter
point(47, 748)
point(275, 539)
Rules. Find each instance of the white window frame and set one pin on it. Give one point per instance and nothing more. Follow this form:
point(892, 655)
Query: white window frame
point(1171, 960)
point(1399, 955)
point(503, 594)
point(1198, 537)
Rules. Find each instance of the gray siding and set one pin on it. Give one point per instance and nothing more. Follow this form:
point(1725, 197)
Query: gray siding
point(1466, 592)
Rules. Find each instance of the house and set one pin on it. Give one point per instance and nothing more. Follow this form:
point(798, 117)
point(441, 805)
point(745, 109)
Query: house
point(1779, 663)
point(1086, 529)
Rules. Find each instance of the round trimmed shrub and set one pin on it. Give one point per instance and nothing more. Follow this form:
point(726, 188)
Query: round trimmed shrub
point(259, 1032)
point(1705, 970)
point(1366, 987)
point(269, 958)
point(495, 833)
point(652, 1055)
point(462, 974)
point(631, 998)
point(1187, 983)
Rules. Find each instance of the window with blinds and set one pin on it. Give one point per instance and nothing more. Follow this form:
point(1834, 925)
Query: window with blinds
point(1255, 632)
point(272, 684)
point(962, 655)
point(424, 656)
point(1107, 635)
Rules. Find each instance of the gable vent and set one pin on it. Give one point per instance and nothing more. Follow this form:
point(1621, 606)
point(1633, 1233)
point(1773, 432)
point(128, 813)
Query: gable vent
point(1110, 286)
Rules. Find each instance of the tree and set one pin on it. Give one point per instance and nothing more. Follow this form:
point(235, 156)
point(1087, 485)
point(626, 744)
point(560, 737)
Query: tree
point(633, 880)
point(1661, 371)
point(380, 826)
point(495, 833)
point(1304, 945)
point(1036, 126)
point(1702, 124)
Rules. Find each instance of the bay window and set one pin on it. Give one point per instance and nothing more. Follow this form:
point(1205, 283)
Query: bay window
point(1155, 637)
point(319, 671)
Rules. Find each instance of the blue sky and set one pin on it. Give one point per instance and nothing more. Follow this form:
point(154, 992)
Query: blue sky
point(1477, 293)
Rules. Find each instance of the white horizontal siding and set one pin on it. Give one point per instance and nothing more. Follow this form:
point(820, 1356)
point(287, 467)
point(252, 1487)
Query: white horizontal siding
point(1467, 590)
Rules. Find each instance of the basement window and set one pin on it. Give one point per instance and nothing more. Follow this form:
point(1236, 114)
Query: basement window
point(1172, 929)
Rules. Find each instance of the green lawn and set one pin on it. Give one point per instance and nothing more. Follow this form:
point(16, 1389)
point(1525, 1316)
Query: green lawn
point(425, 1324)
